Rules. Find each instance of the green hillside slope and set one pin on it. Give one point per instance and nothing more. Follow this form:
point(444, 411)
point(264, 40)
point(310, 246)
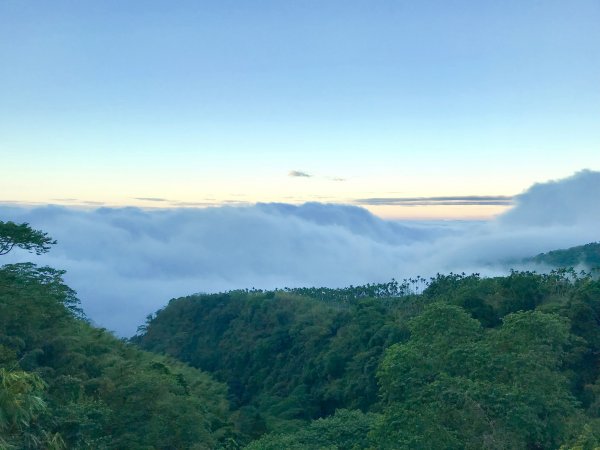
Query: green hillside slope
point(67, 384)
point(505, 362)
point(584, 255)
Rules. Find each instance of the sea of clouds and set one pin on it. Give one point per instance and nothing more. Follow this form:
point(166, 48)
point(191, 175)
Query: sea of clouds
point(128, 262)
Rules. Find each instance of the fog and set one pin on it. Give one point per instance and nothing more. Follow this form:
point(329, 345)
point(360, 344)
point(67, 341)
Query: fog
point(127, 262)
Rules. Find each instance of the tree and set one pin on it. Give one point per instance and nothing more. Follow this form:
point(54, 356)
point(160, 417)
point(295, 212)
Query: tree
point(345, 430)
point(23, 236)
point(454, 385)
point(20, 405)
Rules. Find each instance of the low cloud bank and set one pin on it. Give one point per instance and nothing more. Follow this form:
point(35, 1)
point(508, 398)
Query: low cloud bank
point(127, 262)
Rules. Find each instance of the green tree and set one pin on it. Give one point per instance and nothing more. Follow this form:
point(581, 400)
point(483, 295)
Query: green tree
point(345, 430)
point(64, 383)
point(23, 236)
point(456, 386)
point(21, 404)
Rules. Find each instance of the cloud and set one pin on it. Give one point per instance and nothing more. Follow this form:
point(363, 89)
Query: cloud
point(151, 199)
point(92, 203)
point(301, 174)
point(76, 201)
point(128, 262)
point(570, 201)
point(466, 200)
point(298, 173)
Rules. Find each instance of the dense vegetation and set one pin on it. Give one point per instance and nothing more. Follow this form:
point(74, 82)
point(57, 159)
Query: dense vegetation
point(587, 255)
point(455, 362)
point(469, 362)
point(66, 384)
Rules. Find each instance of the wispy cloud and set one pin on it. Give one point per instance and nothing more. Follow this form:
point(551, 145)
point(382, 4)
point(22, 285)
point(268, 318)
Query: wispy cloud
point(299, 173)
point(152, 199)
point(463, 200)
point(77, 201)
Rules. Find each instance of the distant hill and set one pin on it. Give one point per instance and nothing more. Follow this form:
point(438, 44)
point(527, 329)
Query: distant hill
point(587, 255)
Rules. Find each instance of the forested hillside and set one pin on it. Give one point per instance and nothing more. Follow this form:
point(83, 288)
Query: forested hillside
point(66, 384)
point(507, 362)
point(455, 362)
point(587, 256)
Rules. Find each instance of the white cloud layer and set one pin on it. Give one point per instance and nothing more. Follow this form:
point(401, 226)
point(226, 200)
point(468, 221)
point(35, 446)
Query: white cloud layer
point(127, 262)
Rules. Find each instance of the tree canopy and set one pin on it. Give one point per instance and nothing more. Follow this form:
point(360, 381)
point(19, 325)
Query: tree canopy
point(509, 362)
point(67, 384)
point(23, 236)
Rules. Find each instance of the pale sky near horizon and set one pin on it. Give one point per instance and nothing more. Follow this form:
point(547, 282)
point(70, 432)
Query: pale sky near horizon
point(403, 107)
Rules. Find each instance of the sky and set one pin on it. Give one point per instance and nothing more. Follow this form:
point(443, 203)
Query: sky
point(417, 110)
point(126, 263)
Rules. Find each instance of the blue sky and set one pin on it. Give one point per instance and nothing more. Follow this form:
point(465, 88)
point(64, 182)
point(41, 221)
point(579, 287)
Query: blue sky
point(217, 102)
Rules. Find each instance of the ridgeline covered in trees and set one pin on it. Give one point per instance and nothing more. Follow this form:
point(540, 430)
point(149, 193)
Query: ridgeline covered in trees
point(455, 362)
point(586, 256)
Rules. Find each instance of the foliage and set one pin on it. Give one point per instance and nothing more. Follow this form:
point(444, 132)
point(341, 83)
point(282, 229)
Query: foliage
point(23, 236)
point(66, 384)
point(345, 430)
point(459, 386)
point(290, 359)
point(584, 255)
point(20, 406)
point(471, 362)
